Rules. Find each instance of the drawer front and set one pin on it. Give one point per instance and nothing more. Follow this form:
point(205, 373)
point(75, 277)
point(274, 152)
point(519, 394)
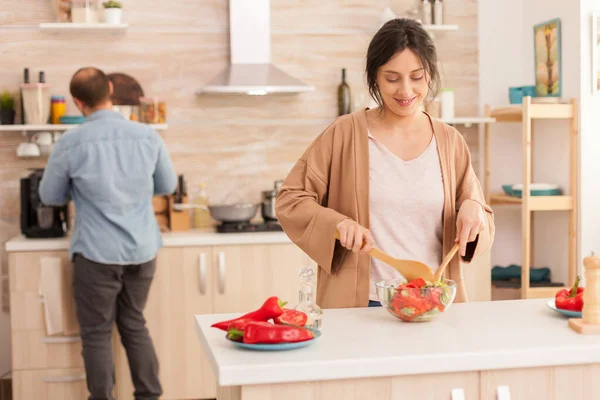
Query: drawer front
point(26, 311)
point(517, 384)
point(24, 269)
point(50, 384)
point(35, 350)
point(27, 307)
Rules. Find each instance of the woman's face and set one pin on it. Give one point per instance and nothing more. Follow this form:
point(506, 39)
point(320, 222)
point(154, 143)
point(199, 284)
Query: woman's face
point(403, 83)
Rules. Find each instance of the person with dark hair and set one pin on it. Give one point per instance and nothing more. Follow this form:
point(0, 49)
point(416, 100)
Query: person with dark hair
point(390, 177)
point(111, 168)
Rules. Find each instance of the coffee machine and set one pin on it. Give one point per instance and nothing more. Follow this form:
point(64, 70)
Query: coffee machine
point(37, 219)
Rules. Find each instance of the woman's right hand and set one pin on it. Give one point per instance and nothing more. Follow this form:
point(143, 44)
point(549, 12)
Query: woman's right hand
point(354, 236)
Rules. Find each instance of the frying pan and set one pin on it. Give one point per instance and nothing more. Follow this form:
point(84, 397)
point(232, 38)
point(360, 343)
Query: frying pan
point(237, 212)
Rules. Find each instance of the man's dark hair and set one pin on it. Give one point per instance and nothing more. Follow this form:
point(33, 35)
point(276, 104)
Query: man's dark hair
point(91, 86)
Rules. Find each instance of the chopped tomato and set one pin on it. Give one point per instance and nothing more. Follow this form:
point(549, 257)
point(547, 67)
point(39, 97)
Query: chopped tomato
point(291, 317)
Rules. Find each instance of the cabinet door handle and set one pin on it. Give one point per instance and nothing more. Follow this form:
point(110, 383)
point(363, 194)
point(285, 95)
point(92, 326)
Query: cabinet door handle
point(457, 394)
point(502, 393)
point(59, 340)
point(202, 272)
point(221, 266)
point(63, 379)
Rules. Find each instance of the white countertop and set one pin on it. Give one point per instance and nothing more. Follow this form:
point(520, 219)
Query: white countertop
point(171, 239)
point(369, 342)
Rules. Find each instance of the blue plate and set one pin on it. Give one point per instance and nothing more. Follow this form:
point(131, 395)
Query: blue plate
point(278, 346)
point(72, 119)
point(568, 313)
point(536, 189)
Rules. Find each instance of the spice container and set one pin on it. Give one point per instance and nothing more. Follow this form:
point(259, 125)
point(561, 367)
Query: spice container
point(58, 108)
point(161, 108)
point(447, 103)
point(147, 110)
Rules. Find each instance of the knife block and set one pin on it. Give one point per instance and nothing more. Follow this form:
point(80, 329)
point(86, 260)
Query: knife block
point(179, 220)
point(589, 324)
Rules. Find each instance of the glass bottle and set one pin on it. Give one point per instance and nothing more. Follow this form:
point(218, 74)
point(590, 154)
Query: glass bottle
point(344, 96)
point(307, 302)
point(427, 12)
point(438, 12)
point(202, 218)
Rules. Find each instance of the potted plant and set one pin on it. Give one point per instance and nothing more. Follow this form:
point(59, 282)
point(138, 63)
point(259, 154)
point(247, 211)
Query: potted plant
point(112, 12)
point(7, 109)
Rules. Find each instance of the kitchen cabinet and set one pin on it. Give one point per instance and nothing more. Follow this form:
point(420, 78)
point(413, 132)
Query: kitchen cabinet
point(543, 383)
point(205, 280)
point(445, 386)
point(188, 281)
point(521, 383)
point(179, 290)
point(437, 386)
point(39, 384)
point(246, 275)
point(43, 367)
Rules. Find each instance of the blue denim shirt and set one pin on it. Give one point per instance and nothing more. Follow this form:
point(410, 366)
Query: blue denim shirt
point(111, 168)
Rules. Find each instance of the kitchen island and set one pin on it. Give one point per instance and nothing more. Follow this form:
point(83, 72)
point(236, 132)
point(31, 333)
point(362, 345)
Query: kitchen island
point(480, 350)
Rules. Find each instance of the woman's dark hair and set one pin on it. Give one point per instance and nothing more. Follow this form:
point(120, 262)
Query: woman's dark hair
point(393, 37)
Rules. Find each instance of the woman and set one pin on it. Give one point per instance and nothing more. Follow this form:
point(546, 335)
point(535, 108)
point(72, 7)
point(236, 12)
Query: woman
point(390, 176)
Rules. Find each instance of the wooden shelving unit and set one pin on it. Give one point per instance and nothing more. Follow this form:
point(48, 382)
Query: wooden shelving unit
point(526, 114)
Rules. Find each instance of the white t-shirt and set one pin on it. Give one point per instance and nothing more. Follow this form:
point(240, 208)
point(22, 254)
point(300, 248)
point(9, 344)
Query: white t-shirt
point(406, 208)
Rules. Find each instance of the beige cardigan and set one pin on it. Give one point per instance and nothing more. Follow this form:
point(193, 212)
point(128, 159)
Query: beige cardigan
point(330, 182)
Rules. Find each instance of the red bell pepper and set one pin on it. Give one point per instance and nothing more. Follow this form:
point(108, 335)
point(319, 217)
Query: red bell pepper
point(417, 283)
point(291, 317)
point(266, 333)
point(271, 308)
point(570, 299)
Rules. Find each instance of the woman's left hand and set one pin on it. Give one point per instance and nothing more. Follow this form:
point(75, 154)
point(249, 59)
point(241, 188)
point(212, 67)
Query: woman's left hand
point(470, 221)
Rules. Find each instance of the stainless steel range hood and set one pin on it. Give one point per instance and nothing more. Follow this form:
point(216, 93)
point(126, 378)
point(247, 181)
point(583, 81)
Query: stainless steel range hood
point(250, 71)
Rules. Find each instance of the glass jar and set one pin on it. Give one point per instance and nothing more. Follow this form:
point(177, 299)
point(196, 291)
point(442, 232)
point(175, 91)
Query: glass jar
point(148, 114)
point(307, 302)
point(85, 11)
point(161, 112)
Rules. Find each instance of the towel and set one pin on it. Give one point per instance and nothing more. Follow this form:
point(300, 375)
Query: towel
point(57, 294)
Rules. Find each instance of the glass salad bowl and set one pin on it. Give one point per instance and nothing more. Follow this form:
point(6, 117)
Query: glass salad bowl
point(416, 301)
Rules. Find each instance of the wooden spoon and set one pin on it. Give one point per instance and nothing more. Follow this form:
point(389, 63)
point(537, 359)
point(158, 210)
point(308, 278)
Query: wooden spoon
point(445, 262)
point(411, 270)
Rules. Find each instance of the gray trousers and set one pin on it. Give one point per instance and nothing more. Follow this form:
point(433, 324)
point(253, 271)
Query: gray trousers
point(105, 294)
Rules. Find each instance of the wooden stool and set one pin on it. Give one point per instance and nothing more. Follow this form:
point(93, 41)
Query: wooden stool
point(589, 324)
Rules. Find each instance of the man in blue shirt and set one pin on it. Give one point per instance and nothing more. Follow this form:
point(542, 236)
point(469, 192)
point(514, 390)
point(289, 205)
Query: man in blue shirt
point(111, 167)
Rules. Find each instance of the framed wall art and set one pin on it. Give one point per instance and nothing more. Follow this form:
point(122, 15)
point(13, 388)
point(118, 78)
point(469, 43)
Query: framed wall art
point(548, 62)
point(595, 53)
